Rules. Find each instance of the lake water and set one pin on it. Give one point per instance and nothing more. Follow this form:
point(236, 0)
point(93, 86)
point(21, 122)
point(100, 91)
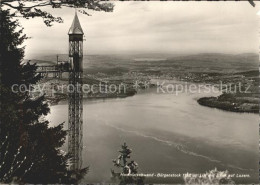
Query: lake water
point(167, 133)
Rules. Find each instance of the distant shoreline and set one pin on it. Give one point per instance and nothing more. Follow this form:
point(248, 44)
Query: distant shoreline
point(56, 100)
point(213, 102)
point(225, 102)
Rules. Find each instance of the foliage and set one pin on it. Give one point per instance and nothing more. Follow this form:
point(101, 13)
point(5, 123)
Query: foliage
point(213, 177)
point(128, 169)
point(31, 8)
point(29, 148)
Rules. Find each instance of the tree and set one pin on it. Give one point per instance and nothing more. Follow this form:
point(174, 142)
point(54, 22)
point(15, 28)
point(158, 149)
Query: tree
point(29, 149)
point(128, 169)
point(31, 8)
point(212, 177)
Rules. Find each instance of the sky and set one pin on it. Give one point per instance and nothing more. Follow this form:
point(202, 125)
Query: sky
point(152, 27)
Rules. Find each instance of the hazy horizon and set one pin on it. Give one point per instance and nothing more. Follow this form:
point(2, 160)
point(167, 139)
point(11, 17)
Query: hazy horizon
point(38, 56)
point(167, 28)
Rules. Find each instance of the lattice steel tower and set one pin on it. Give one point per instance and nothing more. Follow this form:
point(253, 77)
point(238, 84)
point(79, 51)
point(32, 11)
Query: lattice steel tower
point(75, 142)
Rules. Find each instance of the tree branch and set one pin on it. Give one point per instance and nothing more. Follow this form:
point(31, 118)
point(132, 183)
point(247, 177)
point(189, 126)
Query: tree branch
point(26, 7)
point(30, 11)
point(7, 4)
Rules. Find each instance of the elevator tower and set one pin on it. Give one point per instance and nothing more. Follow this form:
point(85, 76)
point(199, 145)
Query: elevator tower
point(75, 143)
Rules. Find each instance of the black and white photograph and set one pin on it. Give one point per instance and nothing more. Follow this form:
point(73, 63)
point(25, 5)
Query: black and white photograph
point(129, 92)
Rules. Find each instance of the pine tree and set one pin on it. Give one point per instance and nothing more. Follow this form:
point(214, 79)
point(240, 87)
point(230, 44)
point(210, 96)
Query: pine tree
point(29, 148)
point(127, 167)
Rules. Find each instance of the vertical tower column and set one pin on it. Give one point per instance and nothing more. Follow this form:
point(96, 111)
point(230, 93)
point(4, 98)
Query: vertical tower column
point(75, 143)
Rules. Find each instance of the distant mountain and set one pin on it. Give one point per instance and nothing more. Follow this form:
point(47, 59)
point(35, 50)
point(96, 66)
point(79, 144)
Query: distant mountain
point(211, 62)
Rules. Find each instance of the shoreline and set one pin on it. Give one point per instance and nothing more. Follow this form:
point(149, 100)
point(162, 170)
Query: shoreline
point(101, 117)
point(220, 102)
point(57, 99)
point(214, 102)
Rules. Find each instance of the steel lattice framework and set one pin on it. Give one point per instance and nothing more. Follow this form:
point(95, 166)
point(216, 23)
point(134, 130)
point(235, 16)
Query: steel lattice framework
point(75, 143)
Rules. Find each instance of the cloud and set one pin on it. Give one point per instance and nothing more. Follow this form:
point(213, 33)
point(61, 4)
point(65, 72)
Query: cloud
point(166, 27)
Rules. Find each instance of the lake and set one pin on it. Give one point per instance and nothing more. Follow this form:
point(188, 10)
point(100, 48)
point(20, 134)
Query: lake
point(168, 133)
